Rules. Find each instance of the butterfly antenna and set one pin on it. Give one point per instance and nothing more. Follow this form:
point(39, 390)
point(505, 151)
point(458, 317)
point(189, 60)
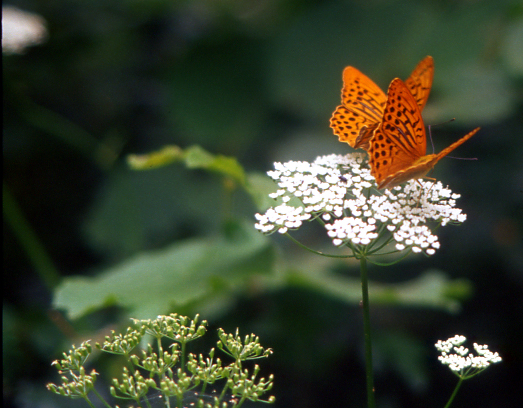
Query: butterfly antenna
point(437, 124)
point(442, 123)
point(463, 158)
point(431, 141)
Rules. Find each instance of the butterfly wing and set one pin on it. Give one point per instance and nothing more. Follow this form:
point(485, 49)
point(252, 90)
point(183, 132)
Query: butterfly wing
point(400, 140)
point(420, 81)
point(356, 119)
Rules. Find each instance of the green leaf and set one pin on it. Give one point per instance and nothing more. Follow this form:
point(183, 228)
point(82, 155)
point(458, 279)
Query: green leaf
point(198, 158)
point(403, 354)
point(431, 289)
point(194, 157)
point(137, 209)
point(259, 186)
point(163, 157)
point(153, 282)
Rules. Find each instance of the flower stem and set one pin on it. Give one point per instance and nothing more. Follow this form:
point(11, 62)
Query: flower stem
point(366, 329)
point(454, 393)
point(30, 242)
point(88, 402)
point(100, 397)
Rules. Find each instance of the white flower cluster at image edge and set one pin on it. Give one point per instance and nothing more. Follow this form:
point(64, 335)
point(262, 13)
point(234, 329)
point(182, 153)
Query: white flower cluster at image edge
point(463, 362)
point(341, 190)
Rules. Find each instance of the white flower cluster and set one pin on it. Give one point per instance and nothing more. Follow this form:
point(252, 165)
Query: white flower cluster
point(341, 190)
point(21, 29)
point(463, 363)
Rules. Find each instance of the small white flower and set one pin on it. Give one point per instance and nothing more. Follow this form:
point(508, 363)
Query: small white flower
point(21, 29)
point(342, 192)
point(462, 363)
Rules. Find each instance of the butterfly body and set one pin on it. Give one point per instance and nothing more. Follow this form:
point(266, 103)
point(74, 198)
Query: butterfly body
point(416, 170)
point(397, 149)
point(356, 120)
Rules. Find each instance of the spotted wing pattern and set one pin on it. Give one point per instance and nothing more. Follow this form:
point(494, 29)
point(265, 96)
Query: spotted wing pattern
point(357, 118)
point(420, 81)
point(360, 113)
point(397, 150)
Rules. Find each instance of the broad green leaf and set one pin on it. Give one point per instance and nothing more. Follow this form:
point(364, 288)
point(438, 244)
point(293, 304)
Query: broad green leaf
point(431, 289)
point(154, 282)
point(404, 354)
point(137, 209)
point(194, 157)
point(153, 160)
point(198, 158)
point(259, 186)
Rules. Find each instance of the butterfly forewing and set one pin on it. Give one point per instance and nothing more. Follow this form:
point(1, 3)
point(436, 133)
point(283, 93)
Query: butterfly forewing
point(361, 93)
point(420, 81)
point(400, 139)
point(402, 121)
point(362, 107)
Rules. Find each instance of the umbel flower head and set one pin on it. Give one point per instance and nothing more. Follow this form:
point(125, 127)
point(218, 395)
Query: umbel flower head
point(462, 363)
point(340, 192)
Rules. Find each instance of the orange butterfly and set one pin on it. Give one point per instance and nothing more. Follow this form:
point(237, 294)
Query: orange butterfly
point(363, 102)
point(397, 150)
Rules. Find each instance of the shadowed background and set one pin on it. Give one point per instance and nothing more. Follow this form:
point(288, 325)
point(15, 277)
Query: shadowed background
point(255, 80)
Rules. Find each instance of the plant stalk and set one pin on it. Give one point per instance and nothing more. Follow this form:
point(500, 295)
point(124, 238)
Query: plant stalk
point(371, 403)
point(454, 393)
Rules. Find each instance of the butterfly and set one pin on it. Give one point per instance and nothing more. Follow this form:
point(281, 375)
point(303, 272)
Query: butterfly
point(363, 102)
point(397, 150)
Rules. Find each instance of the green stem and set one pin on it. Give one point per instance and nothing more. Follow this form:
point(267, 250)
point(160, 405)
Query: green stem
point(100, 398)
point(160, 357)
point(393, 262)
point(454, 393)
point(147, 402)
point(375, 242)
point(89, 402)
point(27, 238)
point(222, 395)
point(316, 252)
point(160, 348)
point(69, 133)
point(183, 352)
point(382, 244)
point(129, 364)
point(366, 329)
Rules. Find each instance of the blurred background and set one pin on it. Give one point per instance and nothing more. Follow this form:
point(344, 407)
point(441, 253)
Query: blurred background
point(89, 243)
